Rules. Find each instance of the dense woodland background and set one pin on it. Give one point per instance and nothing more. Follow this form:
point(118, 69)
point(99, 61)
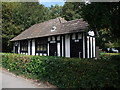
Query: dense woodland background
point(103, 18)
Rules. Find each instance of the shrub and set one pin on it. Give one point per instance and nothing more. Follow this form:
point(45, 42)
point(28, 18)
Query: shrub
point(66, 72)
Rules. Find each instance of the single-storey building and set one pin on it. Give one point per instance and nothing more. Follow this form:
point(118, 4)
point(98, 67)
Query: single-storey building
point(57, 37)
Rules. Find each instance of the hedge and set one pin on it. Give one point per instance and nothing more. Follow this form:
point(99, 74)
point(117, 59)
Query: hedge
point(67, 72)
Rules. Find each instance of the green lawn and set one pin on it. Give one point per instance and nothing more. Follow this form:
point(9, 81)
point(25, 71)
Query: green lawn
point(110, 54)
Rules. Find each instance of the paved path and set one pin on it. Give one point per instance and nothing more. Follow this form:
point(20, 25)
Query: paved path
point(9, 80)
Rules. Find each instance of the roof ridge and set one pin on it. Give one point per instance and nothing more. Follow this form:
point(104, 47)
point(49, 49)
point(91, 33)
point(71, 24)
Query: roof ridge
point(51, 20)
point(81, 19)
point(61, 19)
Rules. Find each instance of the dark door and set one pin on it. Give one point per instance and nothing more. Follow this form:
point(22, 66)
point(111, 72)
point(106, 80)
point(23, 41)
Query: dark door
point(76, 48)
point(30, 47)
point(16, 49)
point(53, 49)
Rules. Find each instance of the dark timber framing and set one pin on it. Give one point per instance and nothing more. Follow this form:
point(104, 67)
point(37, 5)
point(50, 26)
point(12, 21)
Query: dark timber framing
point(85, 45)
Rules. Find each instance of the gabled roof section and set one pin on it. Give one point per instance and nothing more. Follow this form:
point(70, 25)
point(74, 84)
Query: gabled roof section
point(60, 26)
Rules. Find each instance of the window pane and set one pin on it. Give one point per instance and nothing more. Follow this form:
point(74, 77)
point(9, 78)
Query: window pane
point(48, 38)
point(41, 44)
point(24, 45)
point(79, 36)
point(38, 48)
point(44, 48)
point(73, 36)
point(53, 38)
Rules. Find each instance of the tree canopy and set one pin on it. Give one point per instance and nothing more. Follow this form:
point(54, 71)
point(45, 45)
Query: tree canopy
point(103, 18)
point(16, 17)
point(71, 10)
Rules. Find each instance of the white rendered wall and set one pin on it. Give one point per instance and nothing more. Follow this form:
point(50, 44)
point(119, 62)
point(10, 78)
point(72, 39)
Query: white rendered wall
point(14, 48)
point(29, 47)
point(62, 47)
point(48, 49)
point(88, 47)
point(94, 47)
point(33, 47)
point(83, 45)
point(18, 47)
point(91, 46)
point(67, 45)
point(58, 49)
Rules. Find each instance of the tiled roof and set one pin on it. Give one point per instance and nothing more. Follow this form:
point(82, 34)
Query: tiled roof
point(59, 25)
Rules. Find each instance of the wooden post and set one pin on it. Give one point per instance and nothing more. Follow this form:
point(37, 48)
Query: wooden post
point(97, 52)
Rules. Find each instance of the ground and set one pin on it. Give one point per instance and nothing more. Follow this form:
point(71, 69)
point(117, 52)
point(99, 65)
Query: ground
point(9, 80)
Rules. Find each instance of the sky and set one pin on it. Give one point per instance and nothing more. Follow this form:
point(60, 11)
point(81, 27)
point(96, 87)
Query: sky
point(49, 3)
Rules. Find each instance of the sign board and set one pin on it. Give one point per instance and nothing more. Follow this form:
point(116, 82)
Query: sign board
point(91, 33)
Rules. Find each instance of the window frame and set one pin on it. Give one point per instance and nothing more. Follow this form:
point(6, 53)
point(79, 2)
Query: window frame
point(24, 46)
point(41, 43)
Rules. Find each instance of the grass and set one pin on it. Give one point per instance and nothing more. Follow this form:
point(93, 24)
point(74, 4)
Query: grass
point(110, 54)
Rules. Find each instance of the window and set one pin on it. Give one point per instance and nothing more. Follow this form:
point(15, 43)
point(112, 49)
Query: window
point(41, 45)
point(24, 46)
point(58, 38)
point(48, 38)
point(73, 36)
point(53, 38)
point(79, 36)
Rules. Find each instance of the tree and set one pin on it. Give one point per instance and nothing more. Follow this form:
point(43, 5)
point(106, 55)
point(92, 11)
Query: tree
point(7, 27)
point(71, 11)
point(17, 17)
point(103, 16)
point(55, 11)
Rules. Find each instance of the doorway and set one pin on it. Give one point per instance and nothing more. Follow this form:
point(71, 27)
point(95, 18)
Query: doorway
point(76, 48)
point(53, 49)
point(16, 49)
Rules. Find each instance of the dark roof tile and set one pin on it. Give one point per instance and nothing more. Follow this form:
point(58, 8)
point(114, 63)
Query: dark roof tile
point(44, 29)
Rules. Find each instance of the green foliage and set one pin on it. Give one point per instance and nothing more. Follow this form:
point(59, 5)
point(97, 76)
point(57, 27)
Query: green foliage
point(71, 11)
point(19, 16)
point(103, 18)
point(55, 11)
point(67, 72)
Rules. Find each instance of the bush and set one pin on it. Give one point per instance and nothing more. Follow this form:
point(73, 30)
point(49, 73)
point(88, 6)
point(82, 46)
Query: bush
point(66, 72)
